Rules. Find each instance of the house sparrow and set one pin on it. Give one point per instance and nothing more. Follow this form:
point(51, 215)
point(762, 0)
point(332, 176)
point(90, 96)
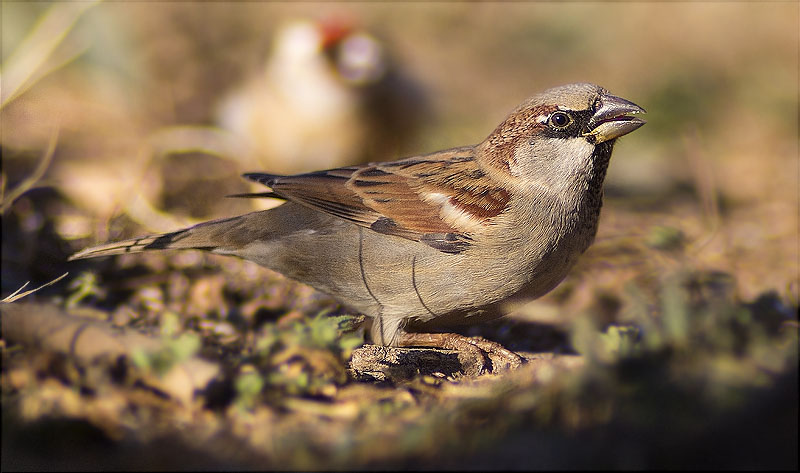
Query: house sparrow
point(441, 238)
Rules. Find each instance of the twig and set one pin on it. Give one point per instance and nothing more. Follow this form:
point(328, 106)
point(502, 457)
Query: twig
point(13, 297)
point(28, 183)
point(27, 64)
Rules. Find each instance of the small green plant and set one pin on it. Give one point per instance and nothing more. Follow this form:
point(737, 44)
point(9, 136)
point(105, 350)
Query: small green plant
point(304, 357)
point(174, 349)
point(83, 286)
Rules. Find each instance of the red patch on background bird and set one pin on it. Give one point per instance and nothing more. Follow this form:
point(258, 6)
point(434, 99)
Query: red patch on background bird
point(334, 30)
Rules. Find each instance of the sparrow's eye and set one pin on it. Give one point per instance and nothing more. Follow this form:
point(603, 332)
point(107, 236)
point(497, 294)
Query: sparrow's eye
point(560, 120)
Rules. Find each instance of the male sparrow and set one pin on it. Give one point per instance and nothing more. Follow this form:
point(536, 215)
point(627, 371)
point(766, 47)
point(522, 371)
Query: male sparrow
point(441, 238)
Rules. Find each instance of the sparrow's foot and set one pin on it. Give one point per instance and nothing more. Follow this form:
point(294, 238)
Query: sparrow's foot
point(473, 352)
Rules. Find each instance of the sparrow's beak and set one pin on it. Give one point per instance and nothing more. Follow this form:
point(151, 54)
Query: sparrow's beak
point(611, 120)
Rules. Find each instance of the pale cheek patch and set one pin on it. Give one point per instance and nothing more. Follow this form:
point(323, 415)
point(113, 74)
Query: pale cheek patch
point(553, 163)
point(451, 214)
point(575, 152)
point(579, 151)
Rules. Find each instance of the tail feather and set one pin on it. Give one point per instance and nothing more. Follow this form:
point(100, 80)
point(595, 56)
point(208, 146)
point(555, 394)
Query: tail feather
point(134, 245)
point(227, 234)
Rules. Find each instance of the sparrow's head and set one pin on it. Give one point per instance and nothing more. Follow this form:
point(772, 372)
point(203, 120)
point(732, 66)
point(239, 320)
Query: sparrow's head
point(561, 134)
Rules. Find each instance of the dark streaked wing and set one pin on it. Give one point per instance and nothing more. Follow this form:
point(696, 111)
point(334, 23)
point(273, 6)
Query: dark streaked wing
point(321, 190)
point(438, 199)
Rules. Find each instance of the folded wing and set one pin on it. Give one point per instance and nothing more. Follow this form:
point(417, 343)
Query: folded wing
point(439, 199)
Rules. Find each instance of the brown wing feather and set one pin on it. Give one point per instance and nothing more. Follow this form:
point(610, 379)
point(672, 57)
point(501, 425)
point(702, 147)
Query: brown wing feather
point(321, 190)
point(469, 187)
point(436, 199)
point(391, 194)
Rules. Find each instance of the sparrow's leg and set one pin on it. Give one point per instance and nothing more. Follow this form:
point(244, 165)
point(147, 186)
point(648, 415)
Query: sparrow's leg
point(476, 348)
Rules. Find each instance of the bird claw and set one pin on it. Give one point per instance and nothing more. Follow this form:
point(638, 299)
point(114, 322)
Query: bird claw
point(477, 355)
point(501, 358)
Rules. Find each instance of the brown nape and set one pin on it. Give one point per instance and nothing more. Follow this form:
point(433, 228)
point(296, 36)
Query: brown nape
point(500, 145)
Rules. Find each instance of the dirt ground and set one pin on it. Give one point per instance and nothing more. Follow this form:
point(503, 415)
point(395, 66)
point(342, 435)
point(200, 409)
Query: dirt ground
point(672, 344)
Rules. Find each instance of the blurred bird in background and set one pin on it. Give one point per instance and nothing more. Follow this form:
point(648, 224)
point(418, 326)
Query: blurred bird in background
point(327, 96)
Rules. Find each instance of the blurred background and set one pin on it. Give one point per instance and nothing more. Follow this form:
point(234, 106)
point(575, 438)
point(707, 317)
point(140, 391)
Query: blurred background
point(153, 110)
point(125, 118)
